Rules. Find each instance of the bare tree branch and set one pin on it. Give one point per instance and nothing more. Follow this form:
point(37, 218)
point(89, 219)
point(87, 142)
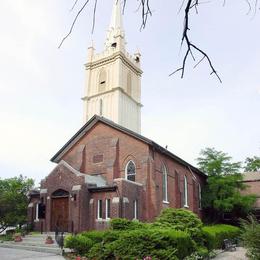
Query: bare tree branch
point(75, 3)
point(192, 4)
point(73, 24)
point(144, 6)
point(94, 17)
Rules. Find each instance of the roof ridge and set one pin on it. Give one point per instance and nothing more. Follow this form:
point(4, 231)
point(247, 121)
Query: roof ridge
point(85, 128)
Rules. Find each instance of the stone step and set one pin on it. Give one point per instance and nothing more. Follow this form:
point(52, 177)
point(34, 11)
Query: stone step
point(37, 243)
point(36, 238)
point(53, 250)
point(33, 243)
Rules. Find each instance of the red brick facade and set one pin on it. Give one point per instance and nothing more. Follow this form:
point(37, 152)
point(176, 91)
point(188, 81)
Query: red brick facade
point(92, 167)
point(252, 182)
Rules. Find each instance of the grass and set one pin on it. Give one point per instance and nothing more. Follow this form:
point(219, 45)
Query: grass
point(8, 237)
point(34, 233)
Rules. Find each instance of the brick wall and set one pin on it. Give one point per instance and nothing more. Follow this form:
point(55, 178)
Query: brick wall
point(106, 151)
point(253, 187)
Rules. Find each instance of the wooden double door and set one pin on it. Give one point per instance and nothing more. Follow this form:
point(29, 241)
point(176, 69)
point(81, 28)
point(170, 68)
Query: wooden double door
point(60, 213)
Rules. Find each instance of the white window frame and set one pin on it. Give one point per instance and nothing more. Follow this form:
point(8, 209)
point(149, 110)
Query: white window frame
point(36, 212)
point(186, 201)
point(107, 208)
point(98, 209)
point(126, 175)
point(135, 209)
point(165, 184)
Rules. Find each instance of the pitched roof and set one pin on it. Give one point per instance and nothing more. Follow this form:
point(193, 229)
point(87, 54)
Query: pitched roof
point(95, 119)
point(251, 176)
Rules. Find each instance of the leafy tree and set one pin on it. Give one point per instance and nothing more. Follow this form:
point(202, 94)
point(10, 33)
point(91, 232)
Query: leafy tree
point(252, 164)
point(13, 201)
point(216, 163)
point(222, 194)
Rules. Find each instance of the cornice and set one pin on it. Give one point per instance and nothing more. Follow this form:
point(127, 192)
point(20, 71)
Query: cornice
point(114, 57)
point(109, 91)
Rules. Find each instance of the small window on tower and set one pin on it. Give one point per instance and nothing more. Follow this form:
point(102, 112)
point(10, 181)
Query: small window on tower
point(102, 80)
point(113, 45)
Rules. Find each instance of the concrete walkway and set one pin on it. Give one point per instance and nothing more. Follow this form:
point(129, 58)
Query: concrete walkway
point(239, 254)
point(18, 254)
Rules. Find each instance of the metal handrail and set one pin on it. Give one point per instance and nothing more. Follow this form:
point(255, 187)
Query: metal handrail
point(59, 237)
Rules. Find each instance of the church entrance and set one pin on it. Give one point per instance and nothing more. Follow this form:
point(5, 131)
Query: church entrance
point(60, 210)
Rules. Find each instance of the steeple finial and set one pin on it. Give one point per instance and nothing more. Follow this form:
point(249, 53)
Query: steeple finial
point(116, 30)
point(116, 19)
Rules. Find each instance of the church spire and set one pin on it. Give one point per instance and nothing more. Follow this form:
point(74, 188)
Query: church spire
point(116, 19)
point(116, 36)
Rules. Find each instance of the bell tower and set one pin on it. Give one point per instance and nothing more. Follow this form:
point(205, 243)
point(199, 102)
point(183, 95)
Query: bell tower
point(113, 79)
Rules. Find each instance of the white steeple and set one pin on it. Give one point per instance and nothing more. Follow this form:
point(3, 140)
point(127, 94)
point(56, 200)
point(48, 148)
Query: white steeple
point(113, 79)
point(116, 29)
point(116, 19)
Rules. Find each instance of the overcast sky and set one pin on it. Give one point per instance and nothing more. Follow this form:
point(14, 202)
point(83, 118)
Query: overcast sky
point(41, 85)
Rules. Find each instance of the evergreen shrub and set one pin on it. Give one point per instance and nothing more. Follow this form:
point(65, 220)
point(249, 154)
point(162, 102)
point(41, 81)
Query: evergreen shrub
point(214, 235)
point(79, 243)
point(139, 243)
point(125, 224)
point(94, 236)
point(181, 219)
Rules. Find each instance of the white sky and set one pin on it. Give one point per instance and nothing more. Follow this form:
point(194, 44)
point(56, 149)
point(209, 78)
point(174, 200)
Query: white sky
point(41, 86)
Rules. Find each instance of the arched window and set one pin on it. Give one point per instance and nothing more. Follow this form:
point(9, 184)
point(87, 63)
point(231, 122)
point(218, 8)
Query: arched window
point(101, 107)
point(102, 80)
point(130, 171)
point(164, 184)
point(60, 193)
point(129, 83)
point(185, 192)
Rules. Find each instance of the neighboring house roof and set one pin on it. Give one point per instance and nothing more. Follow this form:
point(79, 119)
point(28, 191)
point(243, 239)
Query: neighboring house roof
point(95, 119)
point(251, 176)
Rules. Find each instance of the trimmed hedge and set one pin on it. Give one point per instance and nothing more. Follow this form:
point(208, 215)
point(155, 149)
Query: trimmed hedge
point(176, 234)
point(137, 244)
point(132, 244)
point(181, 219)
point(215, 235)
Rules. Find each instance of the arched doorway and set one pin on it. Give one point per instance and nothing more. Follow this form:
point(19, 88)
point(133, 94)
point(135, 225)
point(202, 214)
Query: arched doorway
point(60, 210)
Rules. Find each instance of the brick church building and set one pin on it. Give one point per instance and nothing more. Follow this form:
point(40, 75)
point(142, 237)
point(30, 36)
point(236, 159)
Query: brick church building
point(108, 169)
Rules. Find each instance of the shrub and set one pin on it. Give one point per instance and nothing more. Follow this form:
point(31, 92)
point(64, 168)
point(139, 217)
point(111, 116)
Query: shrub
point(215, 235)
point(139, 243)
point(251, 237)
point(79, 243)
point(94, 236)
point(181, 219)
point(125, 224)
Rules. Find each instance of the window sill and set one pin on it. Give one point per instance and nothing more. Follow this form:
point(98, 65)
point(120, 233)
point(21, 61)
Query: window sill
point(103, 219)
point(186, 206)
point(133, 182)
point(165, 202)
